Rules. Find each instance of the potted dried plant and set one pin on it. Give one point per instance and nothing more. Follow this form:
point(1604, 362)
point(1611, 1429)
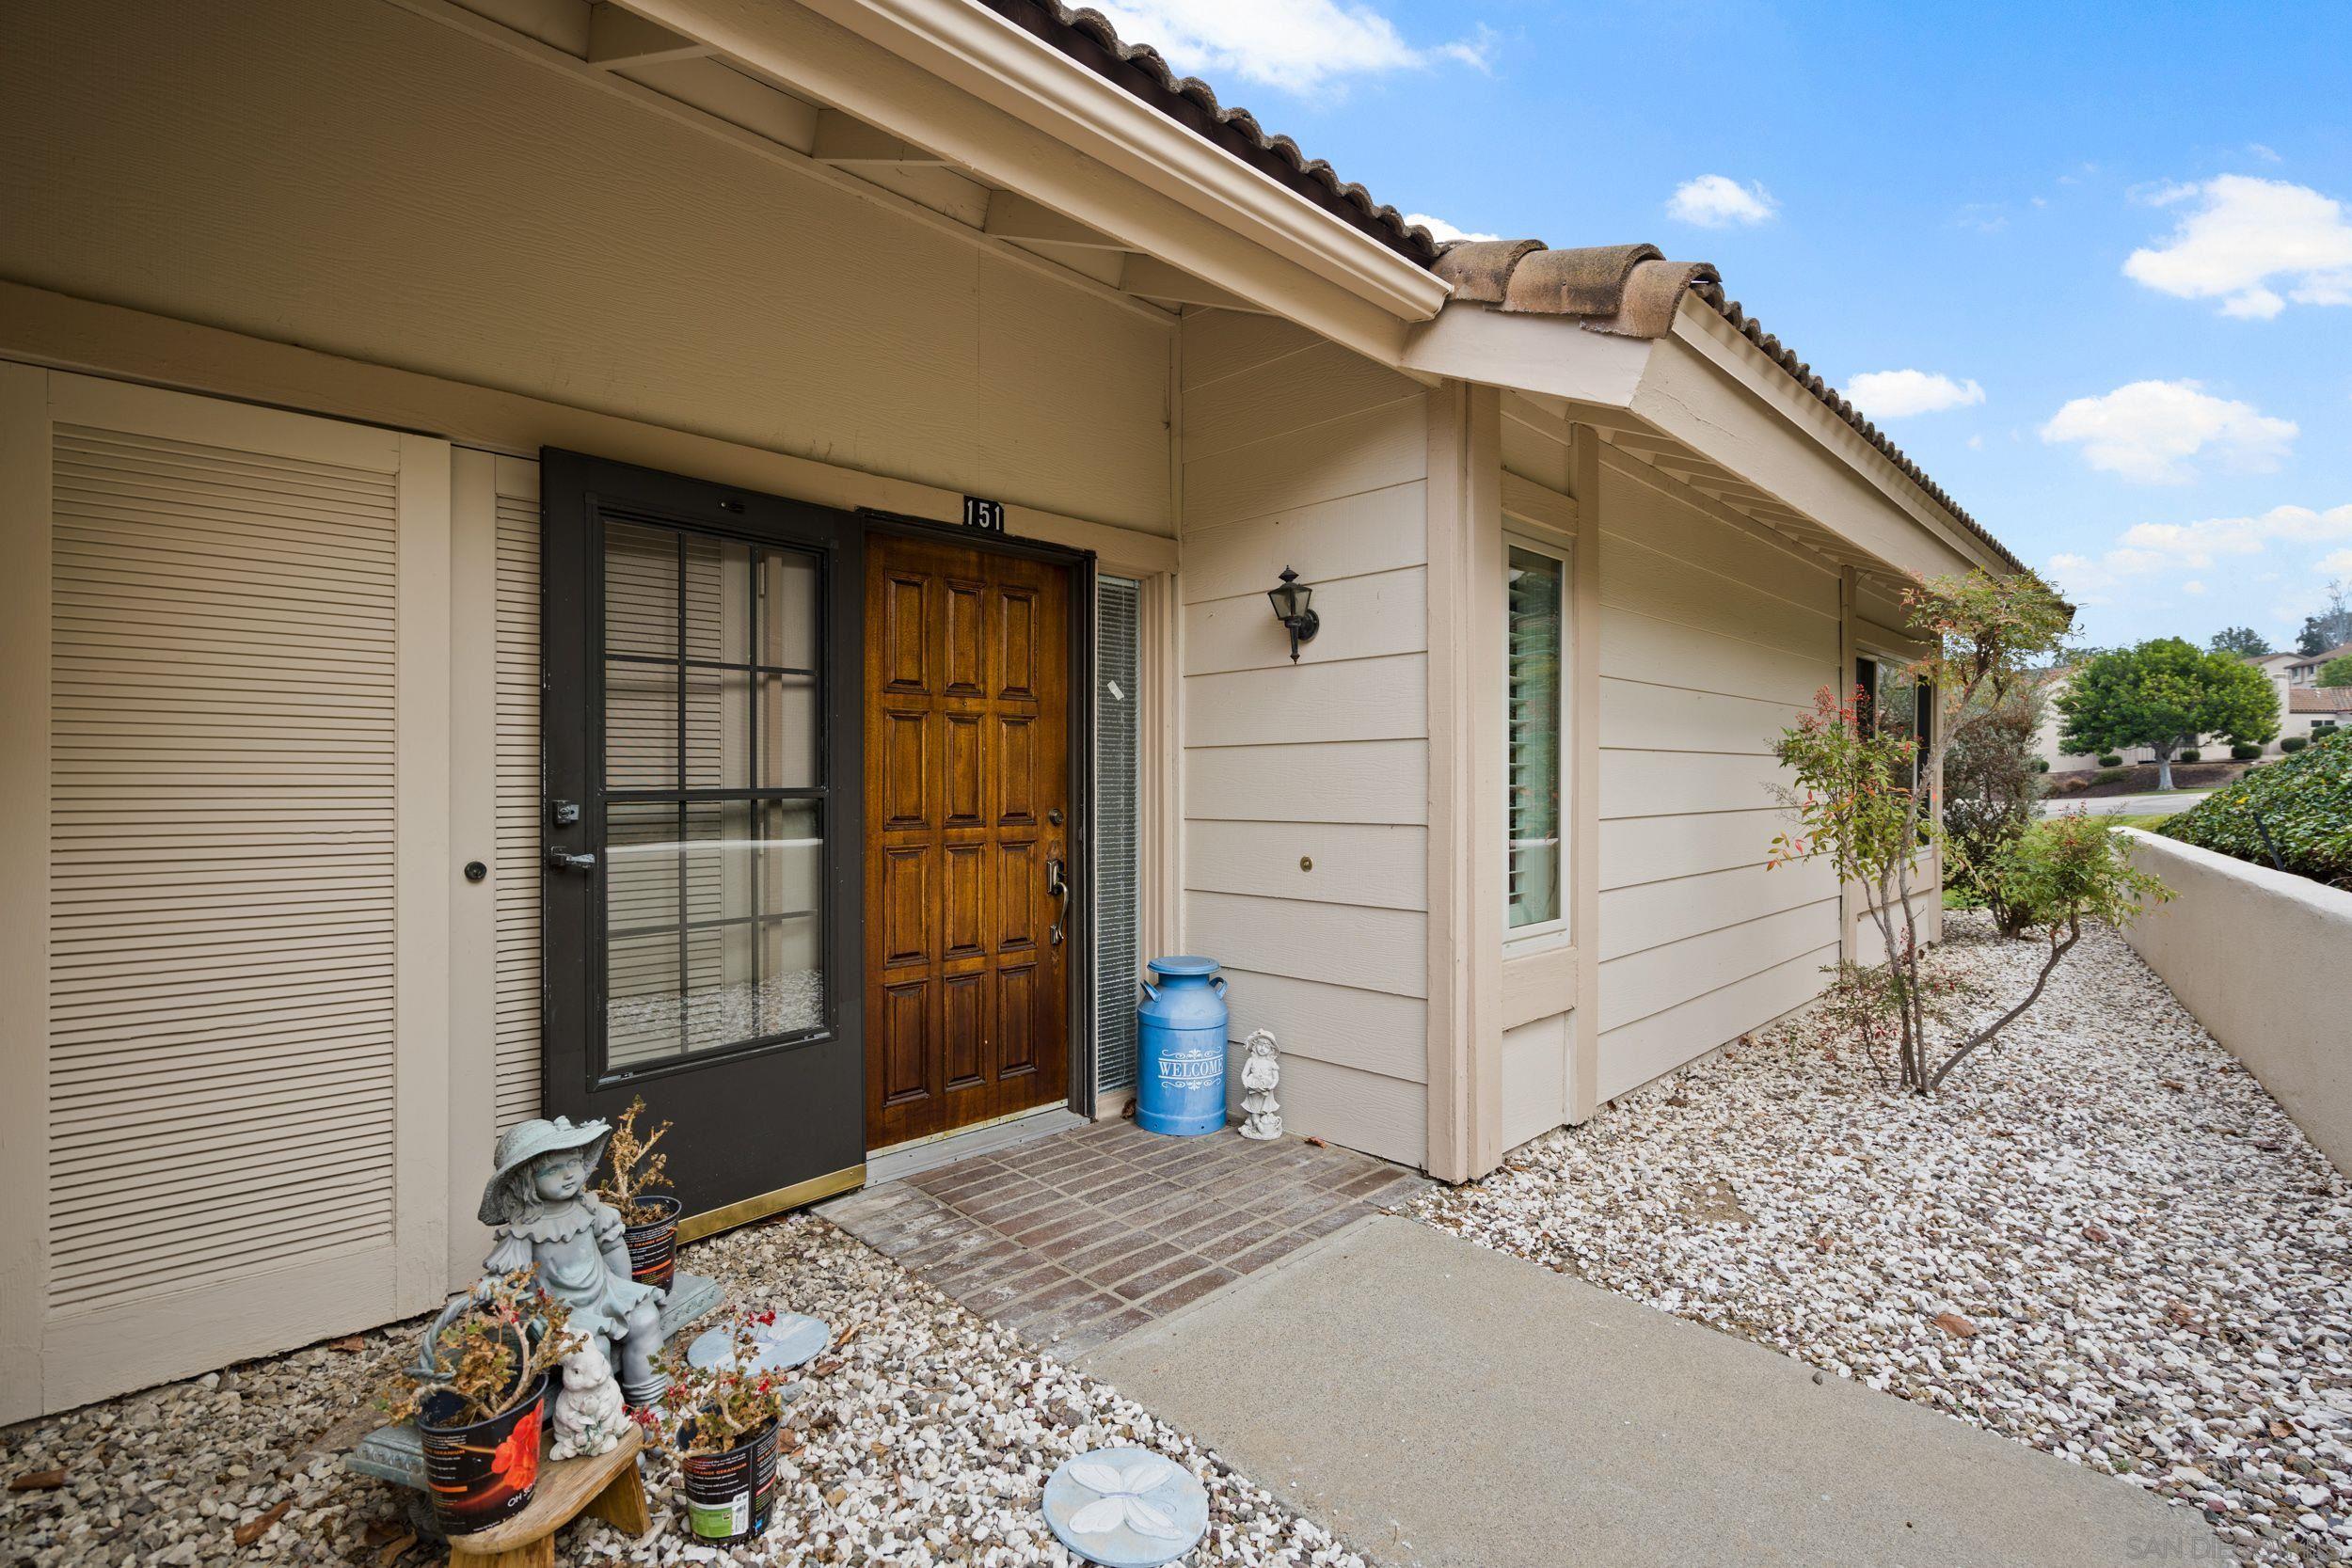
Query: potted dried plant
point(477, 1394)
point(722, 1421)
point(649, 1219)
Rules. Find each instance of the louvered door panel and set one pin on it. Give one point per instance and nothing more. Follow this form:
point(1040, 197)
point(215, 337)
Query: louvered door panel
point(222, 876)
point(516, 875)
point(241, 1140)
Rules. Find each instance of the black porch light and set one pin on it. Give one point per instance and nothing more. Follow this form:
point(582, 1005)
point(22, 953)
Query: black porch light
point(1291, 608)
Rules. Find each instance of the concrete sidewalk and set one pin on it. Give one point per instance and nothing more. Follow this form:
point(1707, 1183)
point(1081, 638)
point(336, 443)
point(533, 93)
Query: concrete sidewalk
point(1439, 1404)
point(2127, 805)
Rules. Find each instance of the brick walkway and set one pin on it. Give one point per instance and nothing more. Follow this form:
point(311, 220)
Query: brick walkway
point(1078, 1238)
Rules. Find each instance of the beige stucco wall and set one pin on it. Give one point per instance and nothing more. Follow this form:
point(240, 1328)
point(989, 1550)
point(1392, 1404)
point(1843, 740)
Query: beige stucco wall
point(2251, 952)
point(1712, 637)
point(361, 180)
point(1297, 452)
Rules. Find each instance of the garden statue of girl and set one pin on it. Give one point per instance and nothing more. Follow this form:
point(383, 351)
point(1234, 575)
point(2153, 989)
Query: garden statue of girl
point(544, 1215)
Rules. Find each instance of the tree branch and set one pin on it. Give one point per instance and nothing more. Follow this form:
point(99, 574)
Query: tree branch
point(2057, 951)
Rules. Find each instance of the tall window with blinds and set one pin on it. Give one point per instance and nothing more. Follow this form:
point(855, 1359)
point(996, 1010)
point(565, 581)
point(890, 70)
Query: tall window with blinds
point(1536, 593)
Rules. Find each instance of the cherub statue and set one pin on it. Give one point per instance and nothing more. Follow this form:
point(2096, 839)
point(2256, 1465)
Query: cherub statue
point(589, 1415)
point(544, 1217)
point(1261, 1071)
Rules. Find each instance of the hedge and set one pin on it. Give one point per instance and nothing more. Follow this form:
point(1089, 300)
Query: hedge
point(2243, 752)
point(2304, 800)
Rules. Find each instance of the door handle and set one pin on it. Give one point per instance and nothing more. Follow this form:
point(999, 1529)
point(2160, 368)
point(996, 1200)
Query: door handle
point(564, 860)
point(1056, 886)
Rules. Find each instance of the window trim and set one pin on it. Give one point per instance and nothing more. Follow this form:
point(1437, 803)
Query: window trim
point(1518, 940)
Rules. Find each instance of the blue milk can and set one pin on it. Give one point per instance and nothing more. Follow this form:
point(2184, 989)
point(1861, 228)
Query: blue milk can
point(1180, 1050)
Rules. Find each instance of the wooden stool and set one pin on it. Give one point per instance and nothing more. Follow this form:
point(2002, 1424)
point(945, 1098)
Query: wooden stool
point(606, 1487)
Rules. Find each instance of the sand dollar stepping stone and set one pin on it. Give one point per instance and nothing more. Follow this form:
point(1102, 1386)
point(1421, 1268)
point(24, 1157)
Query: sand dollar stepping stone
point(793, 1339)
point(1126, 1508)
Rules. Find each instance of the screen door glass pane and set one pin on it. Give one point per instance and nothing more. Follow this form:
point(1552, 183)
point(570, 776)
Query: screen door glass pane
point(715, 837)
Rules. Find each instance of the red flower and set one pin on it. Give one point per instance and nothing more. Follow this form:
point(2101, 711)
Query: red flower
point(518, 1458)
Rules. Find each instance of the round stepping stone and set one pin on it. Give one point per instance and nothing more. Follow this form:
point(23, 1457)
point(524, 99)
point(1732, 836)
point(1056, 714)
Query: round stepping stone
point(1126, 1508)
point(793, 1339)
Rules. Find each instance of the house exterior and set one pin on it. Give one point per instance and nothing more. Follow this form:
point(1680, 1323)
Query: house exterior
point(2290, 675)
point(717, 550)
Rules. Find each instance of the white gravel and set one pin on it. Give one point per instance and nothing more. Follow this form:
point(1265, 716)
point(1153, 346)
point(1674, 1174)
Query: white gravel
point(927, 1438)
point(2142, 1265)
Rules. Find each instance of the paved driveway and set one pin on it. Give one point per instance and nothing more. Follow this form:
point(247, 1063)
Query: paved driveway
point(2127, 806)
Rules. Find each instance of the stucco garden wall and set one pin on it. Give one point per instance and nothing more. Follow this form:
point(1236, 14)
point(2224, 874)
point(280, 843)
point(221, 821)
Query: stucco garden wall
point(2253, 952)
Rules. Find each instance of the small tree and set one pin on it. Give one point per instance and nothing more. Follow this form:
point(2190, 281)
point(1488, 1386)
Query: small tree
point(2162, 694)
point(2336, 671)
point(1853, 800)
point(2058, 875)
point(2245, 641)
point(1989, 789)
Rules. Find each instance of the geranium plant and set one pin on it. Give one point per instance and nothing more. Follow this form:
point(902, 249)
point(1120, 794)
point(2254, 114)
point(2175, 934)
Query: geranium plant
point(633, 1169)
point(715, 1408)
point(490, 1354)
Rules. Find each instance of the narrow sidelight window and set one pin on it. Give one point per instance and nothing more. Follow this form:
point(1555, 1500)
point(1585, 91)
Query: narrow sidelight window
point(1535, 591)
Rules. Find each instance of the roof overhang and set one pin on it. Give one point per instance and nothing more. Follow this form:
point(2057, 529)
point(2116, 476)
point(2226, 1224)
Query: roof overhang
point(967, 84)
point(1703, 403)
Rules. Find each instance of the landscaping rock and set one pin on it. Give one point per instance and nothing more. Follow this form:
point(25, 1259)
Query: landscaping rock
point(2156, 1282)
point(925, 1439)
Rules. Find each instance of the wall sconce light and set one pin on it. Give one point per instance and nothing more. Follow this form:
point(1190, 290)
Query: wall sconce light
point(1291, 608)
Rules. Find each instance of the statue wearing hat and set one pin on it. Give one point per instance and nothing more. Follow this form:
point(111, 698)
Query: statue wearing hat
point(544, 1216)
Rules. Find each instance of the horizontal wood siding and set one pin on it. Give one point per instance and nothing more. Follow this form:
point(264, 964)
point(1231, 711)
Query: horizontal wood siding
point(1307, 785)
point(1712, 640)
point(367, 182)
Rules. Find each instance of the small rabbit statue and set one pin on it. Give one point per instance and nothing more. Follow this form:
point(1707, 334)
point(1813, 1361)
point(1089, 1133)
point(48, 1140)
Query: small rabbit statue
point(590, 1418)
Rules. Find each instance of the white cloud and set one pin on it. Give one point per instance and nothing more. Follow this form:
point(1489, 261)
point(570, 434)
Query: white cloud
point(1309, 47)
point(1898, 394)
point(1718, 201)
point(2246, 235)
point(1976, 443)
point(2147, 432)
point(2228, 557)
point(2268, 155)
point(1444, 232)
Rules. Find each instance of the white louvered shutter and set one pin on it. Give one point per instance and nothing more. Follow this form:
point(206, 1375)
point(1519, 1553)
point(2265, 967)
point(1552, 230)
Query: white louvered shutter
point(241, 1089)
point(517, 872)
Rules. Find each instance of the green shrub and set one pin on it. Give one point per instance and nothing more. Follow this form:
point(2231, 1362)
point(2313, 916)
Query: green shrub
point(2305, 802)
point(2293, 744)
point(2107, 775)
point(2192, 754)
point(2041, 765)
point(2110, 759)
point(2243, 752)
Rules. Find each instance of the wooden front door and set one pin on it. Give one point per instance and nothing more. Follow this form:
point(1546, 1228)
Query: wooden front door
point(967, 841)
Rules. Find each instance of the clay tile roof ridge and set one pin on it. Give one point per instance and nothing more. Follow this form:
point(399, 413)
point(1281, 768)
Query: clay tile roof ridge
point(1630, 290)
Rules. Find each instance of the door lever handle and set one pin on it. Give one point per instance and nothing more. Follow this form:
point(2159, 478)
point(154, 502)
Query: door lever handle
point(564, 860)
point(1056, 886)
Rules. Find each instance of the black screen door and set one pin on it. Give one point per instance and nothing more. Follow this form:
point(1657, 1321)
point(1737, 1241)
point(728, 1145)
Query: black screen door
point(702, 877)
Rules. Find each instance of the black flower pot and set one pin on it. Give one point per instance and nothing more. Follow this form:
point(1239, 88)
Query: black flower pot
point(653, 1246)
point(731, 1495)
point(481, 1472)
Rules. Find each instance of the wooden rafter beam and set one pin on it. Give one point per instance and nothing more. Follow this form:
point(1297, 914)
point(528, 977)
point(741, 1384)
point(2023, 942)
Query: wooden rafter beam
point(1153, 278)
point(1014, 216)
point(618, 39)
point(846, 142)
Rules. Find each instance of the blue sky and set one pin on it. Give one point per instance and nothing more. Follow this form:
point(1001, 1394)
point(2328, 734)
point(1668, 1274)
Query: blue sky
point(2120, 235)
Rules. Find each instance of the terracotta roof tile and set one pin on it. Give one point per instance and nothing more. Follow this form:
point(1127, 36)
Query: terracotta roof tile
point(1631, 288)
point(2319, 699)
point(1088, 37)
